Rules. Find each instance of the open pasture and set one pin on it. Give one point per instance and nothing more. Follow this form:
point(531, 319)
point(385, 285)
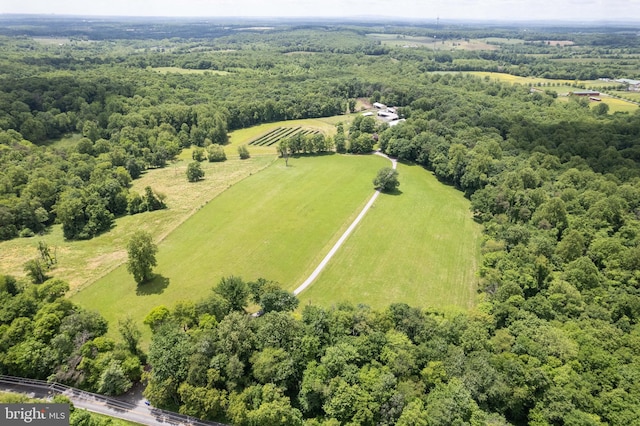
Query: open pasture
point(633, 96)
point(277, 224)
point(420, 246)
point(558, 85)
point(525, 81)
point(616, 105)
point(559, 43)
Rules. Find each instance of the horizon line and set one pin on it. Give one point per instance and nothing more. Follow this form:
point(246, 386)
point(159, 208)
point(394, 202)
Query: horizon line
point(376, 18)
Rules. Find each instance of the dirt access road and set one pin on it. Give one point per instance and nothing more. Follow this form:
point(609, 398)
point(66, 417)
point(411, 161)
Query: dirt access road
point(344, 236)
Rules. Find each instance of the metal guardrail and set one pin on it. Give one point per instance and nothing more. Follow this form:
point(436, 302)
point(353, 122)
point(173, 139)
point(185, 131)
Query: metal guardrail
point(162, 415)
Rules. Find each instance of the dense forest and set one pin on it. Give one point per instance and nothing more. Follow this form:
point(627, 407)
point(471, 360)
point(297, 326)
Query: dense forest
point(555, 338)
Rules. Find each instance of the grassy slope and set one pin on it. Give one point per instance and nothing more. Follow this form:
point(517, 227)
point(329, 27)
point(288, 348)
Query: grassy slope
point(277, 224)
point(82, 262)
point(420, 247)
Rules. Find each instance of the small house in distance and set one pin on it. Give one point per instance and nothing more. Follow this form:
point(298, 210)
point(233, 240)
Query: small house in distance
point(585, 93)
point(367, 114)
point(396, 122)
point(388, 115)
point(378, 105)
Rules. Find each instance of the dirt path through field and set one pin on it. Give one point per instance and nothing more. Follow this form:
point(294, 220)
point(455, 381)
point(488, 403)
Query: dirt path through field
point(344, 236)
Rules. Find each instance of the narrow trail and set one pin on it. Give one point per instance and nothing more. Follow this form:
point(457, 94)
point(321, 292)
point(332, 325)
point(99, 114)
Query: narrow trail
point(344, 236)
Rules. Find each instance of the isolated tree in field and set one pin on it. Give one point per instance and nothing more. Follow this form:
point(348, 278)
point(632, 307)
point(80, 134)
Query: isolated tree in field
point(216, 153)
point(45, 254)
point(283, 150)
point(194, 172)
point(340, 139)
point(601, 109)
point(142, 256)
point(243, 152)
point(386, 180)
point(198, 154)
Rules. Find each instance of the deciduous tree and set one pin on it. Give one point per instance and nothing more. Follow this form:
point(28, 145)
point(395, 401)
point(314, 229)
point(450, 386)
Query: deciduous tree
point(235, 290)
point(142, 256)
point(386, 180)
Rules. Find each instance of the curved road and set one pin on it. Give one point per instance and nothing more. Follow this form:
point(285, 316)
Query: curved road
point(135, 411)
point(344, 236)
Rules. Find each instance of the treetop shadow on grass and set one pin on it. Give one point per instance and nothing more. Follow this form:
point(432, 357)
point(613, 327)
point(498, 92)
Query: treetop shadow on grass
point(395, 191)
point(154, 286)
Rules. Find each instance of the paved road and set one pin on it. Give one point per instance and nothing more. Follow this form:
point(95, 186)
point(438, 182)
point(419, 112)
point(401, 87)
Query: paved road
point(136, 411)
point(344, 236)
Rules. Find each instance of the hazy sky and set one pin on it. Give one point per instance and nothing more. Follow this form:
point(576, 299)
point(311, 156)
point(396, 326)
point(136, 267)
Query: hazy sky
point(566, 10)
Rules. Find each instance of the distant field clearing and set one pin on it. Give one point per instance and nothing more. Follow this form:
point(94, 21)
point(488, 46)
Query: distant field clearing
point(564, 87)
point(177, 70)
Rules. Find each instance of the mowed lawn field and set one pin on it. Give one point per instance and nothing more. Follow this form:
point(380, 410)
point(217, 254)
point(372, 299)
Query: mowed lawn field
point(420, 247)
point(277, 224)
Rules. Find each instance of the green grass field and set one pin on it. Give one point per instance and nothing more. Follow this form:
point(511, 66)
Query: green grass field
point(634, 96)
point(617, 105)
point(525, 81)
point(80, 263)
point(420, 247)
point(278, 225)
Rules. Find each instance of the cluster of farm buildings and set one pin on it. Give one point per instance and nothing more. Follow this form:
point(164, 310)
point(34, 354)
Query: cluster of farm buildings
point(388, 114)
point(632, 85)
